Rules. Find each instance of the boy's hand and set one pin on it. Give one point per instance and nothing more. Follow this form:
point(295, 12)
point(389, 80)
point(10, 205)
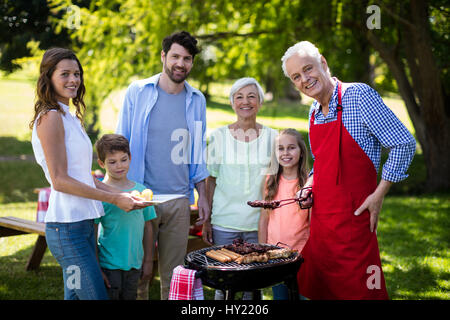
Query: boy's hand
point(147, 270)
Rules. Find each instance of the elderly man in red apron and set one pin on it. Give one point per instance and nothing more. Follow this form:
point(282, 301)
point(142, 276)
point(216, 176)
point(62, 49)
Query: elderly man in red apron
point(349, 124)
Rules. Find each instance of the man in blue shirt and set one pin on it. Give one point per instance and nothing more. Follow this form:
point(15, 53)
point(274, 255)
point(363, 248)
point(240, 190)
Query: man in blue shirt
point(164, 118)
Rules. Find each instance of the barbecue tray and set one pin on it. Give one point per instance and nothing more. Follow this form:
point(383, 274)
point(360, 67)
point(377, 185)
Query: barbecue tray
point(244, 277)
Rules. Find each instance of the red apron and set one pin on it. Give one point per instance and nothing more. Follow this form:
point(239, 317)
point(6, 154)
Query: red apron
point(342, 260)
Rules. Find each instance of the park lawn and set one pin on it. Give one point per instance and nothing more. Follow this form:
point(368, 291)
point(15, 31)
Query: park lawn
point(16, 105)
point(412, 233)
point(413, 230)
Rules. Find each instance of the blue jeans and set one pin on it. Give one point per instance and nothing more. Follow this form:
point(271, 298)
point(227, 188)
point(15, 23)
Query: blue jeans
point(225, 237)
point(73, 246)
point(280, 292)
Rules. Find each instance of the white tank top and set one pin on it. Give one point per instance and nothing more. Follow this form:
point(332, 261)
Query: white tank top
point(64, 207)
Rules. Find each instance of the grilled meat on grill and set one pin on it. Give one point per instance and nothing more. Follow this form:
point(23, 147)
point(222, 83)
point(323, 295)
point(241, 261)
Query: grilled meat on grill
point(241, 247)
point(279, 253)
point(253, 257)
point(264, 257)
point(264, 204)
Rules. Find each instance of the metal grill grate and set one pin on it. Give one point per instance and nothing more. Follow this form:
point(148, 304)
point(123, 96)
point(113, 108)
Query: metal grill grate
point(200, 259)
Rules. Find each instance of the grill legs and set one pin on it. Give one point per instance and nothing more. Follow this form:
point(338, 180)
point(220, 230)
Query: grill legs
point(292, 285)
point(229, 294)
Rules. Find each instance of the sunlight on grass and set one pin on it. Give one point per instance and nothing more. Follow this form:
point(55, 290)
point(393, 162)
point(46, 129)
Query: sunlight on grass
point(413, 239)
point(413, 231)
point(16, 107)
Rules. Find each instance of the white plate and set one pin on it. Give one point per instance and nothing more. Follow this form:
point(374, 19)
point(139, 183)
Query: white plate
point(161, 198)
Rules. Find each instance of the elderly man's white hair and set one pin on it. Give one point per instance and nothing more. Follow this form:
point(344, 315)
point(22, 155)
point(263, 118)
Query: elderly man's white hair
point(302, 48)
point(243, 82)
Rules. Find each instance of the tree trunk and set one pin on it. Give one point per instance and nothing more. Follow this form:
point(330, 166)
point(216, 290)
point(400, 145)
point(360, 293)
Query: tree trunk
point(432, 100)
point(427, 110)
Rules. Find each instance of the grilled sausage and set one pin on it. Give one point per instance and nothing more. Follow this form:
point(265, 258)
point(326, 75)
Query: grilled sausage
point(230, 253)
point(214, 254)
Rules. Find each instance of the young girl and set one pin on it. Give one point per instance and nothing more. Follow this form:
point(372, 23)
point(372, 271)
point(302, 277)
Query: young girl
point(288, 224)
point(64, 151)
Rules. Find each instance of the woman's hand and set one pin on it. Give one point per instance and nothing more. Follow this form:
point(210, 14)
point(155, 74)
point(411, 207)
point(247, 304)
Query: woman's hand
point(127, 202)
point(207, 233)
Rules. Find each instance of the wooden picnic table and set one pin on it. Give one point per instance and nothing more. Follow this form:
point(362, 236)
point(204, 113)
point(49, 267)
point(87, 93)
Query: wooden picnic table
point(12, 226)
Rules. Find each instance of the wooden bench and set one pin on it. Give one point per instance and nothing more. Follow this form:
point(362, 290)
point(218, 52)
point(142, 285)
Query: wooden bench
point(12, 226)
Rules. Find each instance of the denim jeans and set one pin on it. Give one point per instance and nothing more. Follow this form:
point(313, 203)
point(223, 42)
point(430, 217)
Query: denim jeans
point(280, 292)
point(226, 237)
point(73, 246)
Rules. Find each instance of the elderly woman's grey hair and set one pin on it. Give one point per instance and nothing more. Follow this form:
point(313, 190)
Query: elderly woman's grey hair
point(243, 82)
point(302, 48)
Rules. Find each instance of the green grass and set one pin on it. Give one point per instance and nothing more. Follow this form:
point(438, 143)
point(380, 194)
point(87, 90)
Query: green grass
point(413, 229)
point(16, 105)
point(414, 240)
point(412, 233)
point(18, 179)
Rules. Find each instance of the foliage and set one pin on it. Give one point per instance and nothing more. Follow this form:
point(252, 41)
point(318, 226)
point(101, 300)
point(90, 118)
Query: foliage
point(119, 40)
point(22, 21)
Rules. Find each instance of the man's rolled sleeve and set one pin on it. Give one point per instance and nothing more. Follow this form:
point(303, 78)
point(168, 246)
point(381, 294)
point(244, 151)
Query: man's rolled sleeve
point(398, 162)
point(391, 133)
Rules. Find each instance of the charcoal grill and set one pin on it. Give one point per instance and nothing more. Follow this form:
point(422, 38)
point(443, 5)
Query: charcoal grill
point(232, 277)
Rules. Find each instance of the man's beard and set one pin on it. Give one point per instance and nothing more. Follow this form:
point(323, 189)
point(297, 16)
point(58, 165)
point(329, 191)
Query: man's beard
point(169, 72)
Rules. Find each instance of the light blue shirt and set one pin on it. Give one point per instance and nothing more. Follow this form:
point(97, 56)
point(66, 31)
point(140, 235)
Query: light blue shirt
point(133, 123)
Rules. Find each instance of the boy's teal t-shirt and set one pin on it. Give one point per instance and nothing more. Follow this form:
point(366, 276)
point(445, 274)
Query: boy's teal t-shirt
point(121, 234)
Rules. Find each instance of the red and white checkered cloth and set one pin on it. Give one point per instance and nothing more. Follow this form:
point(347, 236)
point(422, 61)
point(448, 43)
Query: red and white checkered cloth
point(44, 195)
point(184, 285)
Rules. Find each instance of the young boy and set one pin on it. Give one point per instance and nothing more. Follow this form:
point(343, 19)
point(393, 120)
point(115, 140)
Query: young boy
point(125, 241)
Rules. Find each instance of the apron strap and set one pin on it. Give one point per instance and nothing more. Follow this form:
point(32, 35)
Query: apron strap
point(339, 119)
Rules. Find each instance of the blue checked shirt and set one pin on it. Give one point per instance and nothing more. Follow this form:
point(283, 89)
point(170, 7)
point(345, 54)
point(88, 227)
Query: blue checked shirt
point(373, 126)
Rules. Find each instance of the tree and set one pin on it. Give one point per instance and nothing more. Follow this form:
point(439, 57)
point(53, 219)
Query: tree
point(22, 21)
point(121, 39)
point(413, 42)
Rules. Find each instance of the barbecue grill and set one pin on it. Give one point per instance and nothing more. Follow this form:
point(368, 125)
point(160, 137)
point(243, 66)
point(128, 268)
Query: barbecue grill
point(232, 277)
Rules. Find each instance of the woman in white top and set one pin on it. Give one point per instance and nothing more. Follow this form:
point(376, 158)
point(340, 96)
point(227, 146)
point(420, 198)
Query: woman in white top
point(64, 151)
point(238, 158)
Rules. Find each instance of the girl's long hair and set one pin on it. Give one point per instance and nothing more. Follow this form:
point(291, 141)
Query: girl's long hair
point(273, 180)
point(45, 93)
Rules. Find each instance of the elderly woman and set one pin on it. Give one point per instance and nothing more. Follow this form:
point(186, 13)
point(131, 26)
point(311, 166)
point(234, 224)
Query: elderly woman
point(238, 158)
